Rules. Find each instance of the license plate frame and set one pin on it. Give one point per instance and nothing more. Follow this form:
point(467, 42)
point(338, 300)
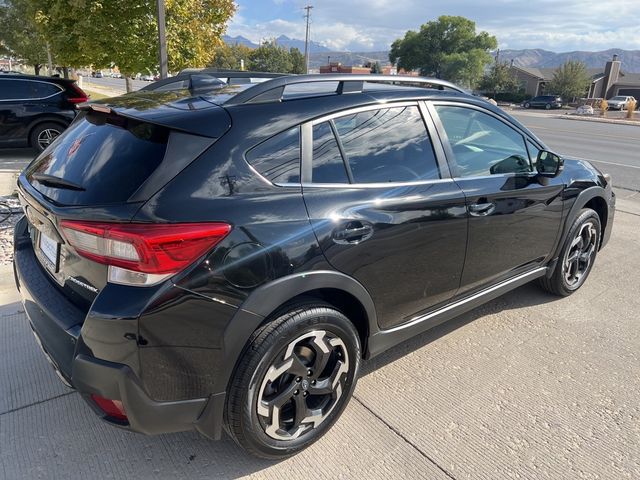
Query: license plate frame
point(50, 252)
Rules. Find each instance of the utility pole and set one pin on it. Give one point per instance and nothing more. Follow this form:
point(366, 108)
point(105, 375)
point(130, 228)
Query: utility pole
point(306, 40)
point(162, 37)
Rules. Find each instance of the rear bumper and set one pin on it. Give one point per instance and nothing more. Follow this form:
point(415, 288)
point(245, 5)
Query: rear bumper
point(118, 382)
point(57, 325)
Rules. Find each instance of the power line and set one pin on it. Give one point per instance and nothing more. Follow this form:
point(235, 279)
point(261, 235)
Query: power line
point(306, 40)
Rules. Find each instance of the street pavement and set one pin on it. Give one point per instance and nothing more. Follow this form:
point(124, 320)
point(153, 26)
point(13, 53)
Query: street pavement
point(613, 148)
point(117, 85)
point(526, 386)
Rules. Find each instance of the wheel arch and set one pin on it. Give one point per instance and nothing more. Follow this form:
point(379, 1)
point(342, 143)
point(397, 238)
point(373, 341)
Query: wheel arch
point(335, 288)
point(592, 197)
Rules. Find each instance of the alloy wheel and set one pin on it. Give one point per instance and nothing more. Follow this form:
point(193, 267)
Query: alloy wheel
point(580, 254)
point(303, 385)
point(46, 137)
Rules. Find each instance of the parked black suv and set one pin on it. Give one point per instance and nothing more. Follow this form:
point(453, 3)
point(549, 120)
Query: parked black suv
point(200, 262)
point(544, 101)
point(34, 110)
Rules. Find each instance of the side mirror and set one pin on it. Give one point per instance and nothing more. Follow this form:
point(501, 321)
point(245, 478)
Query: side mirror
point(549, 164)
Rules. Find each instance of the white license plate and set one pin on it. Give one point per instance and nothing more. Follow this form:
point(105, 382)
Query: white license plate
point(49, 248)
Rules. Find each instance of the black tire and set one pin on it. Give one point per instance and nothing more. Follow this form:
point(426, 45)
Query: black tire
point(256, 379)
point(548, 106)
point(527, 105)
point(569, 275)
point(44, 133)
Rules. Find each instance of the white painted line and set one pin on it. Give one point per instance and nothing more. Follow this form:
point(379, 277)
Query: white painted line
point(602, 161)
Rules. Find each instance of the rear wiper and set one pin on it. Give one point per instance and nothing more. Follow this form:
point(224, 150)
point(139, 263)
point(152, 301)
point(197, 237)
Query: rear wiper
point(56, 182)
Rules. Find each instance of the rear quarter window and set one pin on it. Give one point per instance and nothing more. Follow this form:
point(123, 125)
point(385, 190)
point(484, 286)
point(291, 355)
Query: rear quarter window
point(278, 158)
point(109, 156)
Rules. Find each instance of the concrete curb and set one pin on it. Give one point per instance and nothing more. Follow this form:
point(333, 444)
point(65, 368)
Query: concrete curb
point(635, 123)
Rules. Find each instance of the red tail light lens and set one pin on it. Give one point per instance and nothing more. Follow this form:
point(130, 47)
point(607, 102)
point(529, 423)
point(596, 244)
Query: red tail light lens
point(80, 96)
point(158, 250)
point(112, 408)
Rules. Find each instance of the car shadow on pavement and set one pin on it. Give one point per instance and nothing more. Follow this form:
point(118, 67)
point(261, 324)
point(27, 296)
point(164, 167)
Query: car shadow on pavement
point(525, 296)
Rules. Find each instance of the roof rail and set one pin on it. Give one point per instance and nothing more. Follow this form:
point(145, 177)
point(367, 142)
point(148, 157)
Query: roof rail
point(273, 90)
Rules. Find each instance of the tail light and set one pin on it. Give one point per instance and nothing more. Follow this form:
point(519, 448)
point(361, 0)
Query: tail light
point(112, 408)
point(80, 96)
point(143, 254)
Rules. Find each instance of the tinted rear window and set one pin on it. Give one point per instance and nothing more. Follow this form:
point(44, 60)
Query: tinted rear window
point(15, 89)
point(109, 156)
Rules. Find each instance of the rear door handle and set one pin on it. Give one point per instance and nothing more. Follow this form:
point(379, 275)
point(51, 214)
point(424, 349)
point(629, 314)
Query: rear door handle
point(482, 209)
point(353, 233)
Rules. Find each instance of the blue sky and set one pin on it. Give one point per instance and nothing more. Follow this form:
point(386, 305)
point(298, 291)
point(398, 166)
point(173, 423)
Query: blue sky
point(365, 25)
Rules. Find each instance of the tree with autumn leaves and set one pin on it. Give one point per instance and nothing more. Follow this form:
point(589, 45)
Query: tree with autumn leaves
point(103, 33)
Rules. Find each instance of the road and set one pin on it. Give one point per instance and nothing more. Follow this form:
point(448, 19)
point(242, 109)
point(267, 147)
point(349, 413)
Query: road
point(115, 84)
point(613, 148)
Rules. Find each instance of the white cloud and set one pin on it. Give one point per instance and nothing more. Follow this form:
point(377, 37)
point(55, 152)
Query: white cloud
point(374, 24)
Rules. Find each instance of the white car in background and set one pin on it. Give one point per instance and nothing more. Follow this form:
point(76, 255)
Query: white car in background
point(619, 102)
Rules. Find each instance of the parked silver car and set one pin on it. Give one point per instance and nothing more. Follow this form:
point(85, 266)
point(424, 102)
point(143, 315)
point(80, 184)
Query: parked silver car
point(619, 102)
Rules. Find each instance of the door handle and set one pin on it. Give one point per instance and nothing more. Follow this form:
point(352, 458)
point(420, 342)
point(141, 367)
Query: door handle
point(353, 233)
point(482, 209)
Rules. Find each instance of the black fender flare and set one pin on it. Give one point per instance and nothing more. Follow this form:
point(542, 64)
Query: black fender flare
point(581, 200)
point(264, 300)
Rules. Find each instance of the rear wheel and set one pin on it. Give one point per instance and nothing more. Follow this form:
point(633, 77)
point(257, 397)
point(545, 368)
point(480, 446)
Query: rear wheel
point(527, 105)
point(577, 257)
point(293, 381)
point(44, 134)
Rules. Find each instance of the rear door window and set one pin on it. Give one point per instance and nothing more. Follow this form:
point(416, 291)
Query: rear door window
point(387, 145)
point(108, 156)
point(328, 164)
point(15, 89)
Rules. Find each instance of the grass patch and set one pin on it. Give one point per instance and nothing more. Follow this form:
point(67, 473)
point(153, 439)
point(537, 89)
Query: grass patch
point(94, 95)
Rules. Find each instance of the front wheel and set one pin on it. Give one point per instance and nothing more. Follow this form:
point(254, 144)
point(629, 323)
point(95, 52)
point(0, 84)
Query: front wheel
point(577, 257)
point(527, 105)
point(548, 106)
point(293, 381)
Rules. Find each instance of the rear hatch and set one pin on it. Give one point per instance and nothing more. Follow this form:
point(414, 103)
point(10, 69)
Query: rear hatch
point(114, 157)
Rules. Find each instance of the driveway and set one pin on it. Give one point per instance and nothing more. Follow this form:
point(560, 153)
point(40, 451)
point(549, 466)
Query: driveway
point(527, 386)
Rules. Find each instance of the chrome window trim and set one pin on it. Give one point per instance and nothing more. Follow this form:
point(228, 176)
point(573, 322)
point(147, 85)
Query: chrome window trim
point(364, 108)
point(34, 98)
point(372, 185)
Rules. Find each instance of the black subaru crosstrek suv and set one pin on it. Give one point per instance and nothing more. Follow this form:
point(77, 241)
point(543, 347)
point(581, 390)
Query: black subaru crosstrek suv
point(226, 260)
point(34, 110)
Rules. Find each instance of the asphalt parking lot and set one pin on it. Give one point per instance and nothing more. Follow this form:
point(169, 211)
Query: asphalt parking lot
point(526, 386)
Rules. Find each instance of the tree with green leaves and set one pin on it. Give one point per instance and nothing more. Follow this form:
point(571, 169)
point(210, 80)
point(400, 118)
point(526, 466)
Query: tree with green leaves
point(376, 68)
point(19, 36)
point(229, 57)
point(570, 80)
point(500, 79)
point(124, 32)
point(298, 65)
point(270, 57)
point(447, 48)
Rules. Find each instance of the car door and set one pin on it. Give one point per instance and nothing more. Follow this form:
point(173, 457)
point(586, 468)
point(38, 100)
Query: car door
point(14, 96)
point(384, 208)
point(514, 214)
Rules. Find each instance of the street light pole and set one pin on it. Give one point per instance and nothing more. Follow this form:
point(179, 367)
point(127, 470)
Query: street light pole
point(162, 37)
point(306, 40)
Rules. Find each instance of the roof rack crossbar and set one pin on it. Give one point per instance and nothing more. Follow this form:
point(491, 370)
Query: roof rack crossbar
point(273, 90)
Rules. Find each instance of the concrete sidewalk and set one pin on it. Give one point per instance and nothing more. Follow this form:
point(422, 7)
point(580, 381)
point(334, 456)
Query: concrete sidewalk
point(526, 386)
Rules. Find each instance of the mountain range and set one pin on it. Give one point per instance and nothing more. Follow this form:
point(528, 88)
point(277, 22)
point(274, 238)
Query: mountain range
point(533, 57)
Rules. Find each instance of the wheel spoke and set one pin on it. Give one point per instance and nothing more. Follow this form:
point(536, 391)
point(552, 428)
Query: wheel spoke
point(291, 384)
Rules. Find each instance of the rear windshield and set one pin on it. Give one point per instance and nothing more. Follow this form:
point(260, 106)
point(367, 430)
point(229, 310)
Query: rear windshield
point(100, 158)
